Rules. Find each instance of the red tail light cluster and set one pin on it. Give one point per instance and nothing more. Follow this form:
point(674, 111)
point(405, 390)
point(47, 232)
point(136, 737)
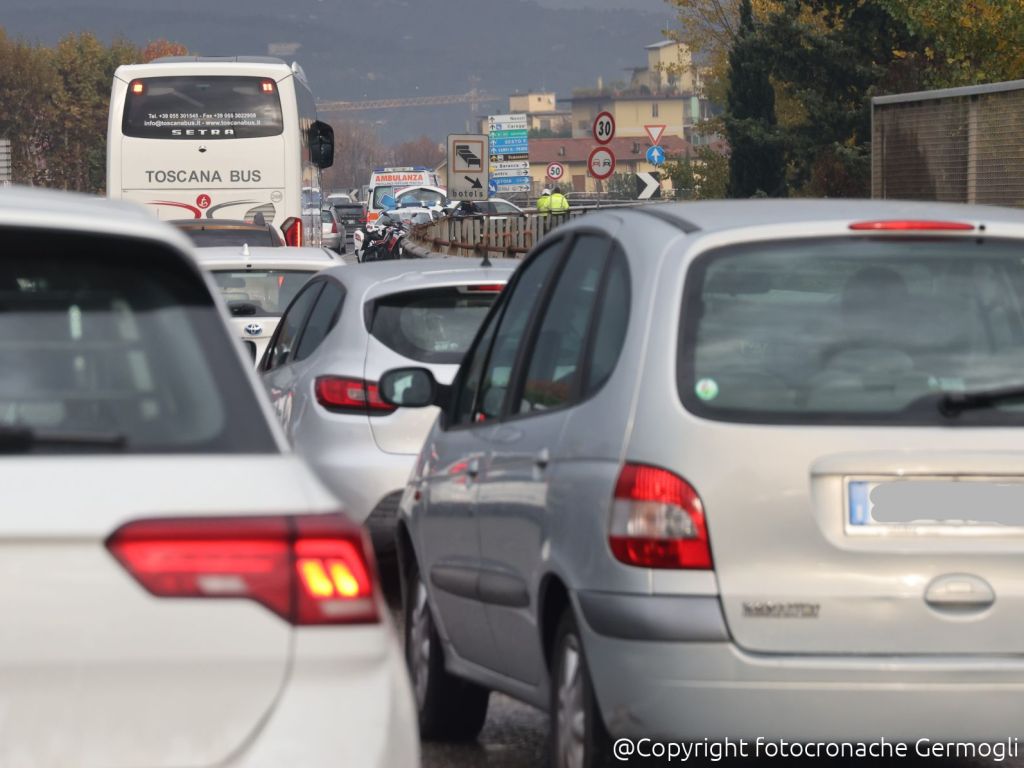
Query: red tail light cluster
point(343, 394)
point(906, 225)
point(334, 227)
point(292, 229)
point(658, 521)
point(312, 569)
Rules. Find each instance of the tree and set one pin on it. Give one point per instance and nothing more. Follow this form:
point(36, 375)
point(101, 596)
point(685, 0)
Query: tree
point(159, 48)
point(756, 165)
point(422, 151)
point(28, 81)
point(357, 151)
point(622, 186)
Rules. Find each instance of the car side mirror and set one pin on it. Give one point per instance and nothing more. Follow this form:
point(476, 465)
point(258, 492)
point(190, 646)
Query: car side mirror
point(411, 388)
point(321, 142)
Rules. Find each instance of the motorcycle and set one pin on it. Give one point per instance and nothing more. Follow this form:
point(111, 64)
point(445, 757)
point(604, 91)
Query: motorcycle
point(382, 240)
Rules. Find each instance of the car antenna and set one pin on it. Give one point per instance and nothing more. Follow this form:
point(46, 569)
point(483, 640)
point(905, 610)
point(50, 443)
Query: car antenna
point(245, 250)
point(487, 261)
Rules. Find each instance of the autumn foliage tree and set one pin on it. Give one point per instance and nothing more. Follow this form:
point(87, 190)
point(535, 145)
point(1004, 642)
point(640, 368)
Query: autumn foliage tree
point(54, 104)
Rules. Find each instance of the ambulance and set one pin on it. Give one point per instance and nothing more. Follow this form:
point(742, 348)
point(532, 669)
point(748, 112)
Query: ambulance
point(390, 181)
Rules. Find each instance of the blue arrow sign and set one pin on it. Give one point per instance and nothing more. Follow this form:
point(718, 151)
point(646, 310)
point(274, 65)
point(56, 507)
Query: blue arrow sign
point(504, 181)
point(492, 187)
point(656, 155)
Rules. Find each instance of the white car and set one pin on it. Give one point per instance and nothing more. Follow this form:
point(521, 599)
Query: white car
point(258, 283)
point(178, 587)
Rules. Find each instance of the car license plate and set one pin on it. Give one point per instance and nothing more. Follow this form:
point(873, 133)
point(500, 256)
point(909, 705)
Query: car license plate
point(962, 505)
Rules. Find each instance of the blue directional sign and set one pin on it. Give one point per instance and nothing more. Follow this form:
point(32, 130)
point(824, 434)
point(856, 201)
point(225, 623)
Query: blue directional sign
point(492, 187)
point(505, 181)
point(656, 155)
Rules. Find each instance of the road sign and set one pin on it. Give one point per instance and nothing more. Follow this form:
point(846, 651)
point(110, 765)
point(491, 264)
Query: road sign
point(648, 185)
point(513, 165)
point(510, 173)
point(604, 127)
point(492, 188)
point(504, 181)
point(655, 155)
point(555, 171)
point(601, 163)
point(516, 122)
point(654, 132)
point(506, 188)
point(506, 157)
point(467, 168)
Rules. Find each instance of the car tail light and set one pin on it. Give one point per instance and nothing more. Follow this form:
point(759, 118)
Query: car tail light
point(292, 229)
point(658, 521)
point(334, 227)
point(487, 288)
point(343, 394)
point(308, 569)
point(912, 226)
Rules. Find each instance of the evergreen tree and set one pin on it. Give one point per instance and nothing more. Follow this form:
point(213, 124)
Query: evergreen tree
point(756, 165)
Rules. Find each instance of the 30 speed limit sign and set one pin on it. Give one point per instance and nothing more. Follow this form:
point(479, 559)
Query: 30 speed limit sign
point(556, 171)
point(604, 128)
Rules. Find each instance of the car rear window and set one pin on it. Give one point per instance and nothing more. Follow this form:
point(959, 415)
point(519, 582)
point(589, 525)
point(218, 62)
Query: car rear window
point(853, 330)
point(260, 292)
point(228, 236)
point(431, 326)
point(118, 343)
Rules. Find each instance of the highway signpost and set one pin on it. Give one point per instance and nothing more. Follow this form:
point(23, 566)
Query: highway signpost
point(655, 155)
point(654, 133)
point(467, 166)
point(509, 153)
point(648, 185)
point(604, 127)
point(601, 163)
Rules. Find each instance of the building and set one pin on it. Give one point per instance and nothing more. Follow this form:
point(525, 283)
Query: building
point(574, 154)
point(541, 110)
point(665, 92)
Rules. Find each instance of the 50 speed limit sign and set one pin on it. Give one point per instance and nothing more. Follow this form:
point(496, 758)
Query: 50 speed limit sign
point(555, 171)
point(604, 128)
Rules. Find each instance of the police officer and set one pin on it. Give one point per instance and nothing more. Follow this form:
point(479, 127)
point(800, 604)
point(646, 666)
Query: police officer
point(558, 203)
point(544, 202)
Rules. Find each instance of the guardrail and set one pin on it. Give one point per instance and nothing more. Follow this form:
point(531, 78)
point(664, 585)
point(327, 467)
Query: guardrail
point(507, 236)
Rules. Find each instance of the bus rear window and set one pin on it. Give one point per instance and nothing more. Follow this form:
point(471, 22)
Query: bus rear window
point(203, 107)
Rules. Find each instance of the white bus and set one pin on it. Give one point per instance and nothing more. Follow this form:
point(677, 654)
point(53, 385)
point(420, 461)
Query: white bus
point(228, 138)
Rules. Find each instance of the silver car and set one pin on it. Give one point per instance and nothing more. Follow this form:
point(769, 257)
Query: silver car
point(340, 333)
point(258, 283)
point(746, 469)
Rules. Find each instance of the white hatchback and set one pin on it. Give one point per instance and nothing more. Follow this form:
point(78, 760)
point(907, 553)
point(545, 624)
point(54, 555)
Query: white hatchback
point(178, 589)
point(258, 283)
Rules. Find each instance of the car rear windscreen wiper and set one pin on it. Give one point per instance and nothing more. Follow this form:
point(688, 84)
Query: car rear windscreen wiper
point(24, 439)
point(952, 404)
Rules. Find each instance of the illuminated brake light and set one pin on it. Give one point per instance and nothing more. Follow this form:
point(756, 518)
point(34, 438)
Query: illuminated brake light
point(486, 288)
point(138, 87)
point(267, 86)
point(292, 229)
point(312, 569)
point(658, 521)
point(343, 394)
point(912, 226)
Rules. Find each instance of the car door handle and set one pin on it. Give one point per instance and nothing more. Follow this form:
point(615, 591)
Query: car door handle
point(473, 468)
point(542, 459)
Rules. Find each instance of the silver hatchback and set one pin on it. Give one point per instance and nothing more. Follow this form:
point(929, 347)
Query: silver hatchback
point(347, 326)
point(746, 469)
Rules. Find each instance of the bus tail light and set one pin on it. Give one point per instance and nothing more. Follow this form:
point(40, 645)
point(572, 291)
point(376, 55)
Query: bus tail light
point(292, 229)
point(658, 521)
point(138, 87)
point(307, 569)
point(267, 86)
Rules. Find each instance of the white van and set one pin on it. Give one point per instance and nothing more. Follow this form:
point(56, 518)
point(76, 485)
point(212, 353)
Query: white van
point(388, 181)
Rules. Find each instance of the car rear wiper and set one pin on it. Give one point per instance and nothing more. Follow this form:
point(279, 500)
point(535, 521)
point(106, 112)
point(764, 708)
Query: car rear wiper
point(952, 404)
point(15, 439)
